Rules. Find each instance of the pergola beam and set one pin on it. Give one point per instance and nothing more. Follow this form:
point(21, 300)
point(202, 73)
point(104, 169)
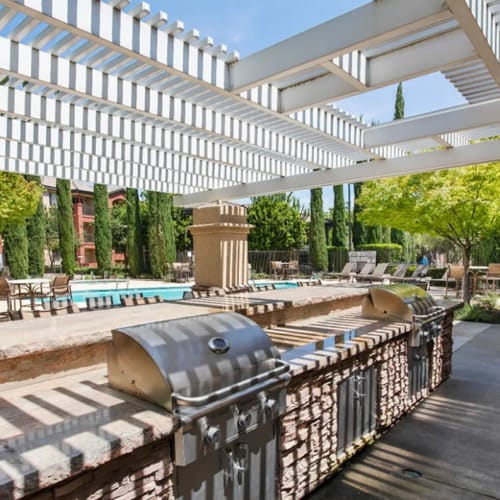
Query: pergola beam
point(436, 160)
point(433, 124)
point(470, 25)
point(370, 24)
point(448, 50)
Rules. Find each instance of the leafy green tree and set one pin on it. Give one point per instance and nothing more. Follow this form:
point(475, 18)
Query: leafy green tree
point(398, 236)
point(134, 233)
point(182, 218)
point(317, 240)
point(340, 228)
point(15, 241)
point(18, 198)
point(118, 221)
point(65, 225)
point(461, 205)
point(278, 223)
point(161, 237)
point(102, 233)
point(35, 227)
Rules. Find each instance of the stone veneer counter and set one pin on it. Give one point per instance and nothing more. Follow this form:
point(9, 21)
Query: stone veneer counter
point(29, 348)
point(77, 426)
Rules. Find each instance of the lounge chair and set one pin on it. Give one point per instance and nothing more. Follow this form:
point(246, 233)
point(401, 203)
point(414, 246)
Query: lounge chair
point(418, 275)
point(365, 273)
point(378, 273)
point(346, 273)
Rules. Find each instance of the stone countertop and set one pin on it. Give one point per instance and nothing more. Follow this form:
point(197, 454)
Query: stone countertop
point(20, 338)
point(54, 429)
point(342, 343)
point(310, 294)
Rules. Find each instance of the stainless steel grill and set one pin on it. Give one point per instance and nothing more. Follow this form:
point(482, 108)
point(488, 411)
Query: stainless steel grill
point(405, 302)
point(410, 303)
point(223, 378)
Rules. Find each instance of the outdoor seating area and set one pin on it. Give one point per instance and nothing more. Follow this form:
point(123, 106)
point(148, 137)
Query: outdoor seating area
point(179, 272)
point(284, 270)
point(27, 297)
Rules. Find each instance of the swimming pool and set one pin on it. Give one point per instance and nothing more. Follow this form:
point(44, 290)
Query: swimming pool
point(166, 293)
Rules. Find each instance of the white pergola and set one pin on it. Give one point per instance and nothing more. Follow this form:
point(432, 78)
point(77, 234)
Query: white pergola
point(108, 92)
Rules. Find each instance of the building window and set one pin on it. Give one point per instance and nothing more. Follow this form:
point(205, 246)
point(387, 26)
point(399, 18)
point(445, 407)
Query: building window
point(88, 206)
point(88, 232)
point(89, 256)
point(52, 200)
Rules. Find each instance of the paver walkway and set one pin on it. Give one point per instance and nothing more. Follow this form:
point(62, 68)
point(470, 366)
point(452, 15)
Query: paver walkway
point(452, 439)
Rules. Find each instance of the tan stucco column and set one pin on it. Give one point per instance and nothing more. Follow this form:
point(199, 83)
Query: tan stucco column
point(220, 246)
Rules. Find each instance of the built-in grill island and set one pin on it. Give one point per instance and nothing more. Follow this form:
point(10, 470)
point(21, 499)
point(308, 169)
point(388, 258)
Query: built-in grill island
point(223, 378)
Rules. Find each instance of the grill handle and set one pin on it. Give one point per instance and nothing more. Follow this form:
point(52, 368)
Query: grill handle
point(281, 367)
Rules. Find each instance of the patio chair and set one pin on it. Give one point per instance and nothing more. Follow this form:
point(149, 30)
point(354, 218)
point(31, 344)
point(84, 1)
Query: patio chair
point(276, 268)
point(292, 269)
point(347, 272)
point(12, 297)
point(60, 287)
point(491, 279)
point(455, 277)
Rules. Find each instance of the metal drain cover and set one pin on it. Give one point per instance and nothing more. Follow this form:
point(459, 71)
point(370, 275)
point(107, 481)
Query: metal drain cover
point(411, 473)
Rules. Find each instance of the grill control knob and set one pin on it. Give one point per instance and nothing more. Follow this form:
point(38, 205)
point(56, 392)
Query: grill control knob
point(271, 407)
point(212, 435)
point(244, 420)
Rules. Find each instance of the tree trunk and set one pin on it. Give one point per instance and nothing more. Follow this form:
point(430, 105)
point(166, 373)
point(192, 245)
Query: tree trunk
point(466, 254)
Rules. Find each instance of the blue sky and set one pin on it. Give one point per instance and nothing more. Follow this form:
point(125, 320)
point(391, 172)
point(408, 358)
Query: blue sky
point(250, 26)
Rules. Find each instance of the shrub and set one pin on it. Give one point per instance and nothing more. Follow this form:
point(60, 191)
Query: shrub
point(483, 309)
point(386, 252)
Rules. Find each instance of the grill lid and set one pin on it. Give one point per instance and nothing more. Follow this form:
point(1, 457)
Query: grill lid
point(192, 361)
point(402, 301)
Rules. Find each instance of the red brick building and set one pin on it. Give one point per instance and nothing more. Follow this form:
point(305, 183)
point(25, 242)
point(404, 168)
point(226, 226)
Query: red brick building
point(84, 217)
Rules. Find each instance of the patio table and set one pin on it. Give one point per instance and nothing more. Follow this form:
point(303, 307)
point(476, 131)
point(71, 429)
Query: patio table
point(29, 287)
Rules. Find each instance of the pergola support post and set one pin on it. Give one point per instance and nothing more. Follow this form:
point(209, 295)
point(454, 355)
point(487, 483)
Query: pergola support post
point(220, 245)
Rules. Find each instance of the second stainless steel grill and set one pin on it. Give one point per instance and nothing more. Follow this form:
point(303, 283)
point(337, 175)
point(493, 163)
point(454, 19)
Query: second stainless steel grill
point(405, 302)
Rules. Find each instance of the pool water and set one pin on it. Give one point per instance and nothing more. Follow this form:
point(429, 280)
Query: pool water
point(166, 293)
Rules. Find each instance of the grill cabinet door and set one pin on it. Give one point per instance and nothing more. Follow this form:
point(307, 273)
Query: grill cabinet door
point(419, 367)
point(357, 407)
point(241, 470)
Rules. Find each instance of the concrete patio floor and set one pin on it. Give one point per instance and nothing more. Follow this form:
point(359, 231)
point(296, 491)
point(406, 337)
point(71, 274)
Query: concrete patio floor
point(448, 447)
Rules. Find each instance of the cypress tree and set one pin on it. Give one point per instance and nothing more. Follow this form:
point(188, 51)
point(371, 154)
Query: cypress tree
point(36, 228)
point(15, 241)
point(65, 225)
point(398, 236)
point(359, 230)
point(102, 233)
point(170, 228)
point(399, 105)
point(161, 235)
point(317, 239)
point(134, 233)
point(340, 229)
